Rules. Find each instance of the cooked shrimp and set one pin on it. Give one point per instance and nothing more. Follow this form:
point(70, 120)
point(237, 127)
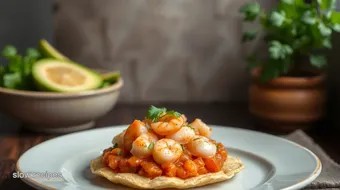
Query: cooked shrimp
point(118, 139)
point(166, 151)
point(143, 145)
point(132, 133)
point(201, 128)
point(168, 124)
point(202, 147)
point(183, 136)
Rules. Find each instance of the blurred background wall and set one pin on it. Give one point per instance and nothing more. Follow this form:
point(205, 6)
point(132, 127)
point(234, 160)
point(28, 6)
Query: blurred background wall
point(167, 50)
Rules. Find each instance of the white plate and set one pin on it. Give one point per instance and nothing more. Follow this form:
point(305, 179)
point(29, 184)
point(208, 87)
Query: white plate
point(270, 162)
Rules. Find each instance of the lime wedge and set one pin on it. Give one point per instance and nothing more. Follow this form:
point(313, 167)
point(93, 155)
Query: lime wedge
point(61, 76)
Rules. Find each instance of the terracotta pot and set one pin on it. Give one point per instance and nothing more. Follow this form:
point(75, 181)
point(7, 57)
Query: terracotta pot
point(287, 103)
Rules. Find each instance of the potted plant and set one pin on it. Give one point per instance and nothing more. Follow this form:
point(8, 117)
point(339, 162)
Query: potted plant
point(287, 90)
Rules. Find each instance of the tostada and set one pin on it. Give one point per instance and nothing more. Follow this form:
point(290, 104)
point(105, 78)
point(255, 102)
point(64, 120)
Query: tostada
point(164, 150)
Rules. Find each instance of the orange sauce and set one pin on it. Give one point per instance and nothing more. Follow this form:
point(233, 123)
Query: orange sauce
point(185, 167)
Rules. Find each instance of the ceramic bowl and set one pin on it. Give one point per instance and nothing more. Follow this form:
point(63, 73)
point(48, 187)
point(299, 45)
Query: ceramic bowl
point(53, 112)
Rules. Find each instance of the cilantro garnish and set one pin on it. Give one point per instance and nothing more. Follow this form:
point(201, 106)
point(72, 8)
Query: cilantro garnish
point(174, 113)
point(115, 146)
point(191, 127)
point(17, 72)
point(196, 138)
point(119, 153)
point(155, 113)
point(151, 146)
point(182, 147)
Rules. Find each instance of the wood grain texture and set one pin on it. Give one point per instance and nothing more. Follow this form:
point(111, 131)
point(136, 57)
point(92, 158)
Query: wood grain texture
point(16, 142)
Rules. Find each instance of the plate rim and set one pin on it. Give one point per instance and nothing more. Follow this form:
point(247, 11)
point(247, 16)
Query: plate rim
point(300, 184)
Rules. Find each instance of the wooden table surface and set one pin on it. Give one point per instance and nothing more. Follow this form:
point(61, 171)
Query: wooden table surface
point(15, 141)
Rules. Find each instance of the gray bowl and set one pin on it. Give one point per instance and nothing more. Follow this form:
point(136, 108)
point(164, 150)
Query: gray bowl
point(53, 112)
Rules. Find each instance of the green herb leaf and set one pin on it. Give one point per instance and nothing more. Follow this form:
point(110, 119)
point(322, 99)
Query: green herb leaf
point(309, 17)
point(279, 51)
point(190, 127)
point(154, 113)
point(250, 10)
point(336, 27)
point(327, 43)
point(9, 51)
point(249, 35)
point(269, 71)
point(132, 169)
point(277, 18)
point(196, 139)
point(335, 18)
point(119, 153)
point(150, 147)
point(183, 147)
point(11, 80)
point(290, 2)
point(318, 61)
point(115, 146)
point(324, 30)
point(32, 53)
point(174, 113)
point(327, 4)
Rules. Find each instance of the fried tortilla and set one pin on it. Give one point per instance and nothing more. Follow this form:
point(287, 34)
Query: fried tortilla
point(231, 167)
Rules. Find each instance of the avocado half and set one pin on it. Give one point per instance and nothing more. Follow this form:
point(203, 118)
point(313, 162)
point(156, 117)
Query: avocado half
point(62, 76)
point(50, 52)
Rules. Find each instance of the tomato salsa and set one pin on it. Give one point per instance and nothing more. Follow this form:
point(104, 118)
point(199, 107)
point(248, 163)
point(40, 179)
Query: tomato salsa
point(185, 167)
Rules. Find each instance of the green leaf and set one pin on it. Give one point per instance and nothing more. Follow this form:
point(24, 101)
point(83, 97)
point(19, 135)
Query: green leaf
point(277, 18)
point(154, 113)
point(290, 2)
point(11, 80)
point(14, 64)
point(324, 30)
point(32, 53)
point(115, 146)
point(150, 147)
point(183, 149)
point(284, 66)
point(249, 35)
point(9, 51)
point(279, 51)
point(327, 4)
point(336, 27)
point(309, 17)
point(174, 113)
point(190, 127)
point(26, 66)
point(318, 61)
point(250, 10)
point(327, 43)
point(335, 18)
point(269, 71)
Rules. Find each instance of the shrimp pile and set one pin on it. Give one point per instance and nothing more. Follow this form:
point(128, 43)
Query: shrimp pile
point(165, 144)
